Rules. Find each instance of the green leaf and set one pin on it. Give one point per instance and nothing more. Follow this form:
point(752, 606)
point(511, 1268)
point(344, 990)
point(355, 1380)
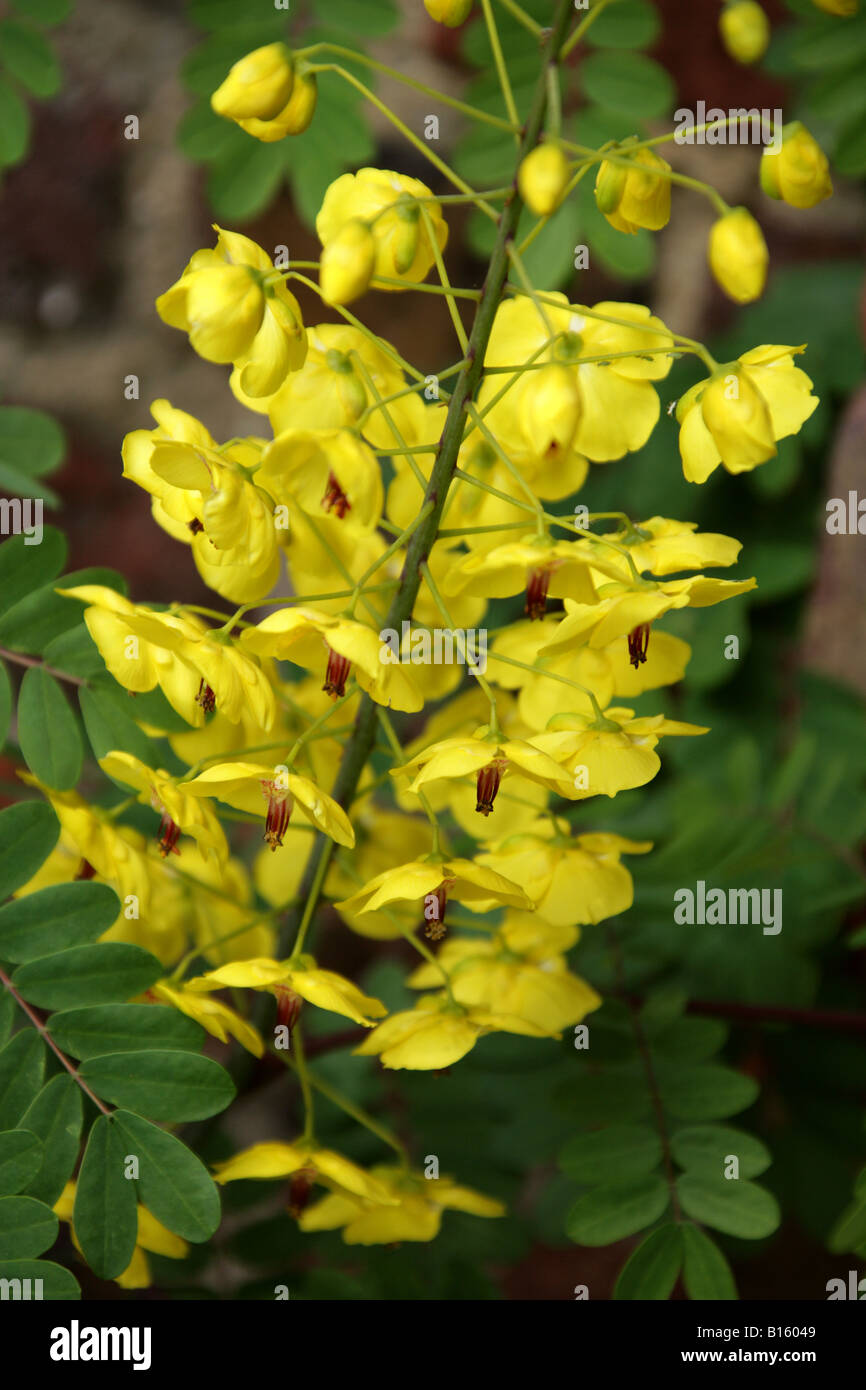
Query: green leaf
point(45, 12)
point(370, 18)
point(617, 1210)
point(28, 833)
point(105, 1215)
point(628, 83)
point(706, 1272)
point(172, 1182)
point(14, 125)
point(207, 138)
point(57, 1283)
point(619, 1153)
point(706, 1092)
point(27, 1227)
point(8, 1010)
point(850, 1230)
point(55, 918)
point(23, 567)
point(631, 24)
point(105, 973)
point(47, 731)
point(76, 653)
point(164, 1085)
point(109, 727)
point(22, 1062)
point(737, 1207)
point(112, 1028)
point(630, 255)
point(617, 1094)
point(222, 14)
point(704, 1149)
point(55, 1117)
point(651, 1270)
point(20, 1153)
point(30, 440)
point(850, 154)
point(5, 704)
point(19, 484)
point(244, 183)
point(29, 58)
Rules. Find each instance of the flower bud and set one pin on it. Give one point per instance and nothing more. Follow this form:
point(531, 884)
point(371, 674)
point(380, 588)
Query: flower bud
point(738, 418)
point(745, 30)
point(225, 306)
point(798, 172)
point(543, 178)
point(295, 116)
point(404, 241)
point(738, 255)
point(550, 408)
point(450, 12)
point(257, 86)
point(635, 196)
point(347, 263)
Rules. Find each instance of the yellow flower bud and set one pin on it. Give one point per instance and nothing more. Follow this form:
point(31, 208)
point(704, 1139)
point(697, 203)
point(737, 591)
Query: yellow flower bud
point(798, 172)
point(550, 408)
point(840, 7)
point(347, 263)
point(257, 86)
point(225, 306)
point(450, 12)
point(404, 242)
point(745, 30)
point(738, 418)
point(738, 255)
point(634, 197)
point(543, 178)
point(295, 116)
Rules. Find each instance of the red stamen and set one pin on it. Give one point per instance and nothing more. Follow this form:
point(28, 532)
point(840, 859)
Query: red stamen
point(85, 871)
point(434, 911)
point(205, 697)
point(169, 834)
point(536, 593)
point(288, 1006)
point(279, 813)
point(335, 498)
point(195, 526)
point(638, 641)
point(487, 785)
point(336, 675)
point(300, 1188)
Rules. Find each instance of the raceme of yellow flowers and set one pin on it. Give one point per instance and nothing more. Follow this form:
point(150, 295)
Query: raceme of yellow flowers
point(543, 719)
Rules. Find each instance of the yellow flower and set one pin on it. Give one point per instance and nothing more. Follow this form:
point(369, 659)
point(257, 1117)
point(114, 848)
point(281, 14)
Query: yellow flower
point(303, 980)
point(520, 970)
point(388, 203)
point(738, 255)
point(348, 262)
point(572, 880)
point(181, 814)
point(798, 172)
point(415, 1213)
point(436, 1034)
point(214, 1016)
point(295, 116)
point(434, 881)
point(543, 178)
point(258, 85)
point(386, 836)
point(619, 407)
point(312, 639)
point(330, 470)
point(745, 30)
point(141, 662)
point(737, 415)
point(663, 546)
point(637, 196)
point(305, 1163)
point(486, 759)
point(450, 12)
point(538, 566)
point(151, 1236)
point(610, 752)
point(236, 308)
point(273, 792)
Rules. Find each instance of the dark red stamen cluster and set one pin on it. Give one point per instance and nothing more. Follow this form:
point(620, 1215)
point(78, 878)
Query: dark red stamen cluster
point(335, 498)
point(169, 834)
point(205, 697)
point(638, 641)
point(195, 526)
point(300, 1190)
point(85, 871)
point(336, 675)
point(487, 786)
point(434, 913)
point(278, 817)
point(536, 593)
point(288, 1006)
